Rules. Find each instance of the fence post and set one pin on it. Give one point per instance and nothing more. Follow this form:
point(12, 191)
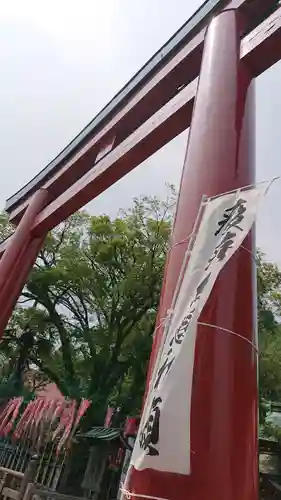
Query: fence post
point(29, 476)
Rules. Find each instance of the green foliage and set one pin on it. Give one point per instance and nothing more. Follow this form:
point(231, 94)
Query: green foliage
point(269, 308)
point(91, 301)
point(11, 387)
point(6, 229)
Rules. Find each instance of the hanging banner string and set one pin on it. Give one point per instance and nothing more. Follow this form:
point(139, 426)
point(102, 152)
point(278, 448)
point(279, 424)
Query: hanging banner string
point(169, 315)
point(185, 240)
point(267, 184)
point(194, 282)
point(216, 327)
point(167, 319)
point(130, 495)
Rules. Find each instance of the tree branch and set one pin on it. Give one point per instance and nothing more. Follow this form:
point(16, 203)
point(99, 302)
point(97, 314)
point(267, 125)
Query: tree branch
point(52, 376)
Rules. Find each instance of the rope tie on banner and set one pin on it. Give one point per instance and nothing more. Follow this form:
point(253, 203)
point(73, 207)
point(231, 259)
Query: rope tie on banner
point(185, 240)
point(129, 495)
point(164, 320)
point(253, 257)
point(250, 253)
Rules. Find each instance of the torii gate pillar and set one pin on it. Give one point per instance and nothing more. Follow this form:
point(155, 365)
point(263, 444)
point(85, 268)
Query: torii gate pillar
point(220, 157)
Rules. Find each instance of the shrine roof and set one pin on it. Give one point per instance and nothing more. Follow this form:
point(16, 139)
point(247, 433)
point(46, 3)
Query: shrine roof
point(103, 433)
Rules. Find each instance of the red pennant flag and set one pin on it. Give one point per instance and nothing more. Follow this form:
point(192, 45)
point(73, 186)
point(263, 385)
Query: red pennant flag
point(69, 421)
point(23, 420)
point(109, 416)
point(6, 414)
point(62, 412)
point(8, 427)
point(84, 405)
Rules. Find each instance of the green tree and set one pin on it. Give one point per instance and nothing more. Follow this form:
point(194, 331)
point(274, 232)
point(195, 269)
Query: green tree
point(91, 301)
point(269, 308)
point(6, 229)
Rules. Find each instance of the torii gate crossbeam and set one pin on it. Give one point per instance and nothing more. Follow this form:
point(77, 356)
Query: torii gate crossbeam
point(153, 110)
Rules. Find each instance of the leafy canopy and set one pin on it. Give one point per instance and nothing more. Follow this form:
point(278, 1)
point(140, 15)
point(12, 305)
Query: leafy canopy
point(91, 301)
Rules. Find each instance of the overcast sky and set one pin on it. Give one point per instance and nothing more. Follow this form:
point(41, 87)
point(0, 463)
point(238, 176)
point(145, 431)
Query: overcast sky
point(62, 61)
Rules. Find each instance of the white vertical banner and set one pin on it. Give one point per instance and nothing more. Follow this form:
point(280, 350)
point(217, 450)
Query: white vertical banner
point(163, 440)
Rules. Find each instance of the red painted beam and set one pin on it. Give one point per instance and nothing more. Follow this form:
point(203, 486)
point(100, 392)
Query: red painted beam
point(157, 131)
point(15, 262)
point(166, 124)
point(171, 120)
point(181, 69)
point(184, 67)
point(262, 47)
point(19, 241)
point(19, 275)
point(264, 41)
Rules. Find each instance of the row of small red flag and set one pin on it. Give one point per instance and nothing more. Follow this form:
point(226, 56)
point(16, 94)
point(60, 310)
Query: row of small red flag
point(58, 418)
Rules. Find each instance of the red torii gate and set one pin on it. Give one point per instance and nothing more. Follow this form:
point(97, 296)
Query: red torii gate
point(242, 41)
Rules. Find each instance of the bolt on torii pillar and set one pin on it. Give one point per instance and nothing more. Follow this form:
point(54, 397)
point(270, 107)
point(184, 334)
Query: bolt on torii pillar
point(220, 157)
